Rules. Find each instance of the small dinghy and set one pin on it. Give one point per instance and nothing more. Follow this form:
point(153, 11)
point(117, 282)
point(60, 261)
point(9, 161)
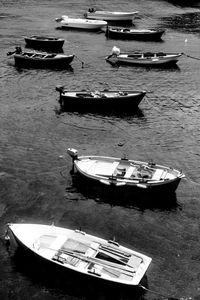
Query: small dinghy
point(122, 172)
point(44, 42)
point(34, 59)
point(81, 253)
point(110, 15)
point(78, 23)
point(100, 100)
point(134, 34)
point(147, 59)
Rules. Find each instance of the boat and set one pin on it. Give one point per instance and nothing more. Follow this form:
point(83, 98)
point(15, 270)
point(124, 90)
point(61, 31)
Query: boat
point(134, 34)
point(80, 23)
point(148, 59)
point(110, 15)
point(100, 100)
point(40, 60)
point(44, 42)
point(126, 173)
point(81, 253)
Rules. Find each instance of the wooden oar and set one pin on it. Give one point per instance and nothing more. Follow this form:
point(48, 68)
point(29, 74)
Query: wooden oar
point(99, 261)
point(118, 252)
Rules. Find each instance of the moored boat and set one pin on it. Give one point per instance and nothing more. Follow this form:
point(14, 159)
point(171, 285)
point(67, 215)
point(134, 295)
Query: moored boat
point(110, 15)
point(148, 59)
point(81, 253)
point(80, 23)
point(34, 59)
point(126, 173)
point(44, 42)
point(134, 34)
point(100, 100)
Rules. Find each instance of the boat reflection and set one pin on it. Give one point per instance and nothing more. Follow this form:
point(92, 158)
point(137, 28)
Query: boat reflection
point(136, 113)
point(116, 197)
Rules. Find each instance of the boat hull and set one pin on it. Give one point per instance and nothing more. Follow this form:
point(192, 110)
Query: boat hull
point(151, 62)
point(28, 62)
point(143, 36)
point(111, 16)
point(157, 189)
point(125, 103)
point(81, 24)
point(44, 43)
point(123, 174)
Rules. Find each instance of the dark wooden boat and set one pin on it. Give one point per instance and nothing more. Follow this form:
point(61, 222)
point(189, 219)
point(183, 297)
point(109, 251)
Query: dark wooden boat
point(100, 100)
point(134, 34)
point(126, 174)
point(44, 42)
point(147, 59)
point(40, 60)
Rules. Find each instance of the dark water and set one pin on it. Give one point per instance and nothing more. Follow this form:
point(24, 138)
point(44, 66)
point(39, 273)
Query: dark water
point(35, 181)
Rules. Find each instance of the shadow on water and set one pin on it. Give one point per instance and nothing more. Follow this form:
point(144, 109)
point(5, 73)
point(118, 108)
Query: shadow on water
point(61, 282)
point(115, 197)
point(185, 3)
point(186, 22)
point(136, 112)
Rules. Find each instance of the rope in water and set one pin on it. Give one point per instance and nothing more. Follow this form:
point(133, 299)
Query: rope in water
point(193, 57)
point(157, 293)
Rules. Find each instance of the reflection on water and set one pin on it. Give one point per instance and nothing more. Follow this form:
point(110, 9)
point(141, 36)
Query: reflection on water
point(118, 197)
point(186, 22)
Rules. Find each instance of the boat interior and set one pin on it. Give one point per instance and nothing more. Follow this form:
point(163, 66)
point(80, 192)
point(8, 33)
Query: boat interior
point(38, 55)
point(100, 259)
point(125, 169)
point(98, 94)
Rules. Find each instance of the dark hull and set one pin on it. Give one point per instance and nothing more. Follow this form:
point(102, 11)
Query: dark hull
point(156, 36)
point(123, 103)
point(21, 61)
point(44, 44)
point(64, 275)
point(159, 189)
point(125, 198)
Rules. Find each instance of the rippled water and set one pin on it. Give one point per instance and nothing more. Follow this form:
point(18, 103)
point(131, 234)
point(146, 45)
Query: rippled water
point(36, 184)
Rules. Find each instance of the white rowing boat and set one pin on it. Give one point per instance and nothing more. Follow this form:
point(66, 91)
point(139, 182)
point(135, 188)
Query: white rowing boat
point(110, 15)
point(82, 253)
point(80, 23)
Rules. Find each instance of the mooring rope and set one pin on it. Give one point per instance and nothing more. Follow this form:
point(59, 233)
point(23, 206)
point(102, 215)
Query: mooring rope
point(193, 57)
point(157, 293)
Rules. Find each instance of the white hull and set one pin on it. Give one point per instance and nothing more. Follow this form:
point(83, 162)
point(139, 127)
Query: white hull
point(143, 59)
point(111, 16)
point(79, 23)
point(146, 62)
point(83, 253)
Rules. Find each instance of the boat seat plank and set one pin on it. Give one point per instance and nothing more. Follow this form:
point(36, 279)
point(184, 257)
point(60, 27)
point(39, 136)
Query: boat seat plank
point(129, 172)
point(158, 174)
point(135, 261)
point(57, 244)
point(104, 168)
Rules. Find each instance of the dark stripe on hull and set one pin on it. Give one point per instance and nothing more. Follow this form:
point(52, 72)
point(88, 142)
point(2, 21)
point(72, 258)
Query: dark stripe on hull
point(131, 36)
point(43, 63)
point(38, 44)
